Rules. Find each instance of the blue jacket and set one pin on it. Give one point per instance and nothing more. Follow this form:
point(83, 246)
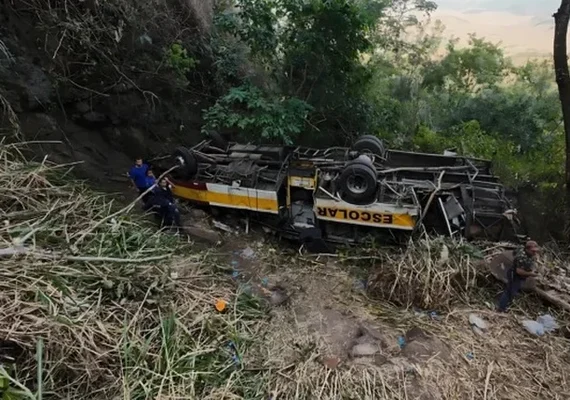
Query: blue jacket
point(138, 175)
point(149, 181)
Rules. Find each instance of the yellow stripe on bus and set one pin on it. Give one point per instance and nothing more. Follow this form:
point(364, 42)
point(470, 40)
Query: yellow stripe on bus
point(226, 200)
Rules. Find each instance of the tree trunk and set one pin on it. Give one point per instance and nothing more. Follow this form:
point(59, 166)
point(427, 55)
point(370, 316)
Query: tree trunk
point(561, 19)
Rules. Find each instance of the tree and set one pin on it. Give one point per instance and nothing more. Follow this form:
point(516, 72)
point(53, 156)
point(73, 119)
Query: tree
point(561, 19)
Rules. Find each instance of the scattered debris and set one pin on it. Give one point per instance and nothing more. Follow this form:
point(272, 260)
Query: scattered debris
point(364, 349)
point(248, 253)
point(234, 352)
point(549, 323)
point(278, 296)
point(401, 342)
point(419, 347)
point(543, 324)
point(221, 305)
point(533, 327)
point(331, 362)
point(478, 325)
point(223, 227)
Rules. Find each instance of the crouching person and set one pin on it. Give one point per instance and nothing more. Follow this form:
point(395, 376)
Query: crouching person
point(148, 190)
point(163, 200)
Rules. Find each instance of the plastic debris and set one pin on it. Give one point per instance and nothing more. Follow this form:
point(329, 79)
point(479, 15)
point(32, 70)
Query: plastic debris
point(434, 315)
point(222, 226)
point(470, 356)
point(248, 253)
point(235, 355)
point(401, 342)
point(533, 327)
point(548, 322)
point(235, 274)
point(543, 324)
point(265, 282)
point(221, 305)
point(477, 322)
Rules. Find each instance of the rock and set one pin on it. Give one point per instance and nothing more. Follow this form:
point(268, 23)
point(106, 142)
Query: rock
point(331, 362)
point(422, 347)
point(364, 349)
point(198, 214)
point(477, 322)
point(25, 85)
point(415, 333)
point(134, 140)
point(203, 234)
point(82, 107)
point(377, 360)
point(278, 296)
point(94, 117)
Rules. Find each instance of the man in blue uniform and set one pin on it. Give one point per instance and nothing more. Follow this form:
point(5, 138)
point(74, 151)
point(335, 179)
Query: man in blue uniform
point(523, 267)
point(138, 174)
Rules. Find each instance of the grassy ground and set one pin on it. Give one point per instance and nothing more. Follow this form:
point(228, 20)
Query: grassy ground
point(101, 306)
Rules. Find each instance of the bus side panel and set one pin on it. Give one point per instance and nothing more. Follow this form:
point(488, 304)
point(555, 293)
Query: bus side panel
point(228, 196)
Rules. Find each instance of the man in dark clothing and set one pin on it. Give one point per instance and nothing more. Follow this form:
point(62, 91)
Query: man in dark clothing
point(138, 173)
point(163, 200)
point(150, 180)
point(522, 268)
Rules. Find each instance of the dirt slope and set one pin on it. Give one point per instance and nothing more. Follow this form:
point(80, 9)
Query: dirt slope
point(93, 76)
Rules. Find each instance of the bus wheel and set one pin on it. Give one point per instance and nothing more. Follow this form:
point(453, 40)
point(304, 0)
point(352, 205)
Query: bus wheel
point(369, 144)
point(187, 163)
point(358, 183)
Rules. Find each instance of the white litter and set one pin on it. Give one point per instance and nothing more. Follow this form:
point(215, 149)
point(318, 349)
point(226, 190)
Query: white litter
point(548, 322)
point(543, 324)
point(477, 322)
point(533, 327)
point(248, 253)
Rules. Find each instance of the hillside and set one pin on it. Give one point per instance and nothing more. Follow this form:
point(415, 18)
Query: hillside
point(97, 302)
point(525, 28)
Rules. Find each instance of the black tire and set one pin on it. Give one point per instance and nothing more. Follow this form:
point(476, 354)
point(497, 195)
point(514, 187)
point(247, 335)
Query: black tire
point(369, 143)
point(363, 159)
point(189, 166)
point(218, 140)
point(358, 183)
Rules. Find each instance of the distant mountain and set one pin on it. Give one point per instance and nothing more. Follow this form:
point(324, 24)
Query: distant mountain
point(523, 27)
point(534, 8)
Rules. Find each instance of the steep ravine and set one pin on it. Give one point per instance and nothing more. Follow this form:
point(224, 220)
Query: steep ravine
point(93, 76)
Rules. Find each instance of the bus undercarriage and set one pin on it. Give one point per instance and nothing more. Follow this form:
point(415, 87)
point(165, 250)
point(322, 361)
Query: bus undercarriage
point(346, 195)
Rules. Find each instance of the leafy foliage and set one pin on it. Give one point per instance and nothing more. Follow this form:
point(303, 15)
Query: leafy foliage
point(249, 110)
point(178, 59)
point(313, 51)
point(340, 68)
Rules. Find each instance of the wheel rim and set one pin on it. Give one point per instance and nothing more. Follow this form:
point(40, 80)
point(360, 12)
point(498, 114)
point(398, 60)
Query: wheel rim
point(357, 184)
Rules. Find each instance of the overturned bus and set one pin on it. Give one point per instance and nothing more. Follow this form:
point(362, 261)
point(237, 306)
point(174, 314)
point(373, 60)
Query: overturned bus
point(345, 195)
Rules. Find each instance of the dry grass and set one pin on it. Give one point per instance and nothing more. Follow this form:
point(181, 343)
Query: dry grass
point(99, 317)
point(112, 324)
point(430, 274)
point(505, 363)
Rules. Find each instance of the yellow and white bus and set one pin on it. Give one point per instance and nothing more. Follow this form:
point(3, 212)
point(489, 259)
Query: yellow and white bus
point(342, 194)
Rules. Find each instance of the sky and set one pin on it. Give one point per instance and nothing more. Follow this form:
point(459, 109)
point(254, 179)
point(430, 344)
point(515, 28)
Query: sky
point(524, 27)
